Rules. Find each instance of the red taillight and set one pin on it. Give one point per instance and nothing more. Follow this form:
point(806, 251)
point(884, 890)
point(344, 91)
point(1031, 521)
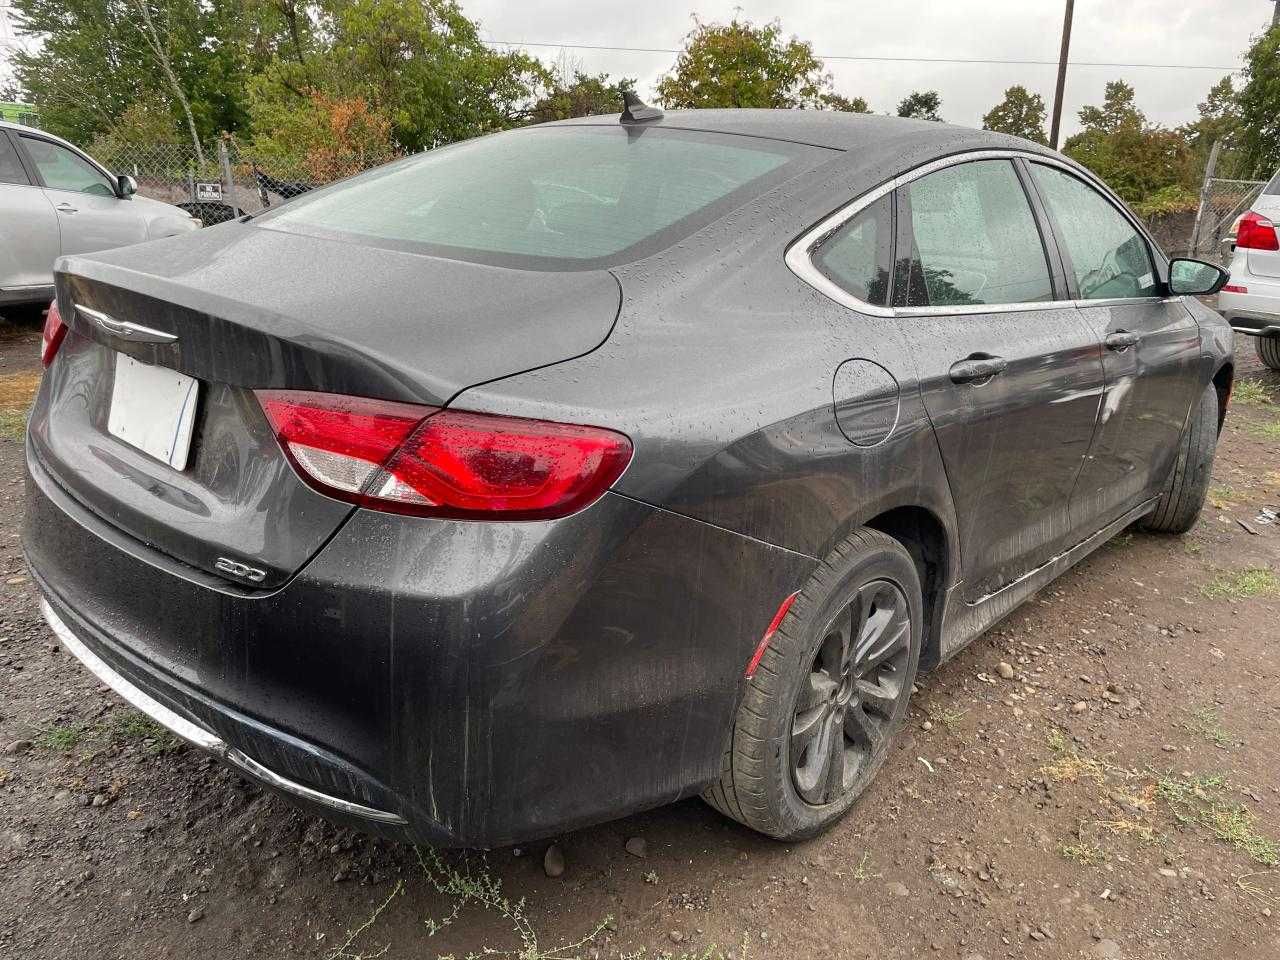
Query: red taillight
point(774, 624)
point(443, 463)
point(1234, 288)
point(54, 333)
point(1256, 232)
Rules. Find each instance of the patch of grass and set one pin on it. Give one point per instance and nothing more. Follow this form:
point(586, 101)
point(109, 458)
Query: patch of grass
point(1221, 497)
point(1129, 827)
point(344, 952)
point(1201, 800)
point(1266, 431)
point(1250, 391)
point(1085, 854)
point(946, 718)
point(1247, 885)
point(134, 727)
point(61, 737)
point(860, 872)
point(1070, 765)
point(465, 881)
point(1206, 723)
point(1242, 584)
point(17, 390)
point(13, 424)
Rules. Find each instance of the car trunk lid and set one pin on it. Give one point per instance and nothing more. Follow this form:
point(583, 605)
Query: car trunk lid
point(259, 309)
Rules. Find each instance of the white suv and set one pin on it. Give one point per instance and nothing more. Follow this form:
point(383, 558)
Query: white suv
point(1251, 299)
point(56, 199)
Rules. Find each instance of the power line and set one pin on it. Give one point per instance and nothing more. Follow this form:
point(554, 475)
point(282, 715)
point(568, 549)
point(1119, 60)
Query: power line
point(873, 59)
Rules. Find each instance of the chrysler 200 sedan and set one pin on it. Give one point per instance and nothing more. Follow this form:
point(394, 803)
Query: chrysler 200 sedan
point(573, 470)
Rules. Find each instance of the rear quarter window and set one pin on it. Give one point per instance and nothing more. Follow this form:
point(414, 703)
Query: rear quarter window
point(559, 197)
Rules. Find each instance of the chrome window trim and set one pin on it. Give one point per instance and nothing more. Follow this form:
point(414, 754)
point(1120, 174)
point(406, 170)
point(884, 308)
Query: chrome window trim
point(799, 256)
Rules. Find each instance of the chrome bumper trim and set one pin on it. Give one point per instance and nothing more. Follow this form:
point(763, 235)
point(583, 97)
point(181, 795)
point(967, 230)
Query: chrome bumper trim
point(197, 735)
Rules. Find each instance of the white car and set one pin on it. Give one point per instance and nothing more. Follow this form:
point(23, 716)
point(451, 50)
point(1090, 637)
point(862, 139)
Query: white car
point(1251, 299)
point(55, 199)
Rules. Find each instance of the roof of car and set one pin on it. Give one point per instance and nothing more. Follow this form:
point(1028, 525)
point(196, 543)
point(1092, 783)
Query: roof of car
point(834, 129)
point(23, 128)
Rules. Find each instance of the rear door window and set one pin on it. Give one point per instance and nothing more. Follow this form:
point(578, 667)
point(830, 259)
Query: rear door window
point(975, 239)
point(10, 166)
point(571, 196)
point(1108, 256)
point(857, 256)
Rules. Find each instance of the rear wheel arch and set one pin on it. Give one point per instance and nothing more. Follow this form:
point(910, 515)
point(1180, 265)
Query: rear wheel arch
point(924, 536)
point(1222, 384)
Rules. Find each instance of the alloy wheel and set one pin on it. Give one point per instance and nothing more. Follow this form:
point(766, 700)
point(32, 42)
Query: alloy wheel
point(849, 698)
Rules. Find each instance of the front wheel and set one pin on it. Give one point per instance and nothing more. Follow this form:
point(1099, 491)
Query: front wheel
point(831, 690)
point(1268, 351)
point(1184, 492)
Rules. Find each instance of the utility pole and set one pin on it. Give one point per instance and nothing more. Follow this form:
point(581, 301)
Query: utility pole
point(1062, 74)
point(1275, 14)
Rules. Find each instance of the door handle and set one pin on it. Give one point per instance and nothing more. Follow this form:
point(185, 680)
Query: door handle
point(1121, 340)
point(65, 208)
point(974, 369)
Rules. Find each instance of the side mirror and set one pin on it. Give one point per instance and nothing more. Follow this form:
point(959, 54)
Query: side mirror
point(1195, 277)
point(126, 186)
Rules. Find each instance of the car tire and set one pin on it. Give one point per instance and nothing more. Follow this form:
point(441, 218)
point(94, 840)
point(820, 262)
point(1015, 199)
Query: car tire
point(1268, 349)
point(773, 778)
point(1184, 492)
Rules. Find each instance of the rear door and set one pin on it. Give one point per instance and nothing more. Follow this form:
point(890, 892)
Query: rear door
point(1010, 373)
point(1151, 345)
point(28, 228)
point(90, 215)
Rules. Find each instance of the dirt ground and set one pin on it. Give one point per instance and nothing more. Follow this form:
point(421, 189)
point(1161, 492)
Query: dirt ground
point(1098, 777)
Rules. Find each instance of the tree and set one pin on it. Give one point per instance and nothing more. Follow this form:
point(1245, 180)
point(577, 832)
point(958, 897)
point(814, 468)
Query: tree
point(1136, 160)
point(577, 94)
point(738, 64)
point(1260, 105)
point(833, 101)
point(420, 63)
point(922, 105)
point(326, 138)
point(1020, 114)
point(1219, 123)
point(96, 58)
point(1118, 111)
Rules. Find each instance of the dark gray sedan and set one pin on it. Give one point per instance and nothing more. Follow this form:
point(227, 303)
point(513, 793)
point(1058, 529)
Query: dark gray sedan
point(573, 470)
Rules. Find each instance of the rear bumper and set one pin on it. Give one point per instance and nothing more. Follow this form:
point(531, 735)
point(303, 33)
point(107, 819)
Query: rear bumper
point(1253, 311)
point(452, 683)
point(198, 736)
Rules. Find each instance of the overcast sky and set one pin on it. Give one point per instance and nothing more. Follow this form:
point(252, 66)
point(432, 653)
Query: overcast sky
point(1209, 32)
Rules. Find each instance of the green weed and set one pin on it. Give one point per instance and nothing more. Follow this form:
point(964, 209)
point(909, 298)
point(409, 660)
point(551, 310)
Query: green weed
point(1250, 391)
point(1242, 584)
point(1201, 800)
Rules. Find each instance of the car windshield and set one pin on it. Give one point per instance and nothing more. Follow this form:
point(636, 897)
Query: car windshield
point(553, 197)
point(1274, 186)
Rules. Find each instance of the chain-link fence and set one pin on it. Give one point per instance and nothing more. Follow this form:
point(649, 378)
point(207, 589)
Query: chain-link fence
point(229, 181)
point(1222, 203)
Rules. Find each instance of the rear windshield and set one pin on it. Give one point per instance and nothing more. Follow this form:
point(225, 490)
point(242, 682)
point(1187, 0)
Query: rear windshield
point(559, 197)
point(1274, 186)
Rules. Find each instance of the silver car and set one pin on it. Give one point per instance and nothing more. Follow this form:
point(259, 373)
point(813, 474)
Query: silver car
point(56, 199)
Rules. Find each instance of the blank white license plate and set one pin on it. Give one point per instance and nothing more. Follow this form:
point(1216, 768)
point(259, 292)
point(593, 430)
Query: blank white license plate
point(153, 409)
